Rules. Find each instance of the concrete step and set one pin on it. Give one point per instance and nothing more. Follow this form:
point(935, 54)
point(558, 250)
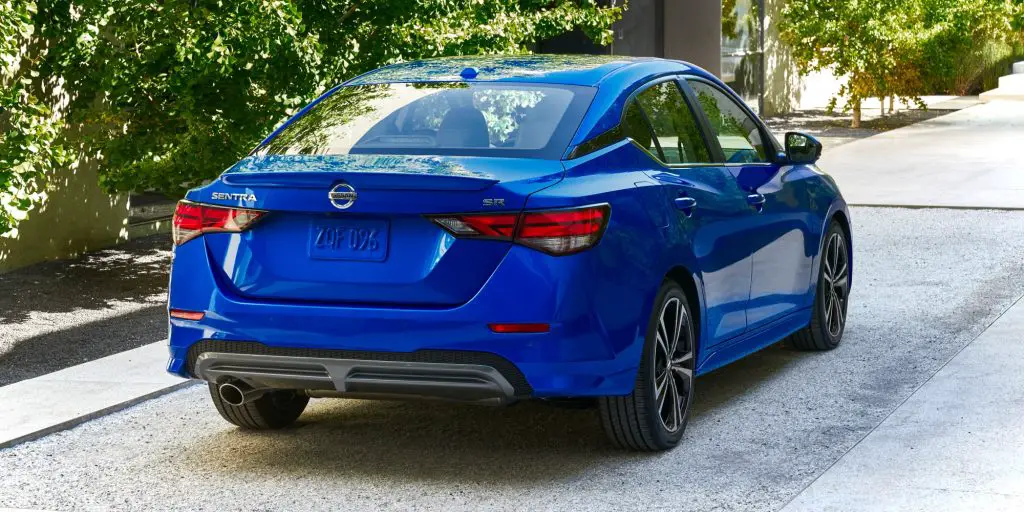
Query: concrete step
point(33, 408)
point(999, 95)
point(148, 227)
point(1014, 81)
point(1011, 87)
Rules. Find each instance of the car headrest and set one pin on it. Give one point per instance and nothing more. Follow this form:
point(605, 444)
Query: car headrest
point(463, 127)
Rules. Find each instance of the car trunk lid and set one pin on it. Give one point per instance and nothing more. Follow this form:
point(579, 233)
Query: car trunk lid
point(374, 245)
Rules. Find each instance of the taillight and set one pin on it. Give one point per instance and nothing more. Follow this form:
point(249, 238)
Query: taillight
point(500, 226)
point(563, 232)
point(194, 219)
point(556, 232)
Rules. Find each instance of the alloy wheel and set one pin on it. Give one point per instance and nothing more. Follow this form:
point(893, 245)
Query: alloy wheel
point(673, 364)
point(836, 276)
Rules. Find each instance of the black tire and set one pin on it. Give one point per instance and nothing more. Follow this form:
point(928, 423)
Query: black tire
point(276, 409)
point(831, 298)
point(638, 421)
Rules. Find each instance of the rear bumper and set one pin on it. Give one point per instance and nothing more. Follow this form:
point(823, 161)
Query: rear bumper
point(425, 375)
point(593, 347)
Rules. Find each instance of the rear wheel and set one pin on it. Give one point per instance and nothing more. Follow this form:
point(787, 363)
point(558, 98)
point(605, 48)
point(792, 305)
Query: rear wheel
point(273, 410)
point(655, 414)
point(828, 317)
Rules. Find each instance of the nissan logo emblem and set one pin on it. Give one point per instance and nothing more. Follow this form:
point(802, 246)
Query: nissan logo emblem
point(342, 196)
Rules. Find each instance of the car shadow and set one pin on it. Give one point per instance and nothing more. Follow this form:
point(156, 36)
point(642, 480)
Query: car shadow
point(525, 444)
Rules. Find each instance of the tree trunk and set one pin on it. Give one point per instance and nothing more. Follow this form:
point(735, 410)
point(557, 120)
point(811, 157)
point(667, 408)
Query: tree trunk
point(892, 103)
point(856, 113)
point(881, 106)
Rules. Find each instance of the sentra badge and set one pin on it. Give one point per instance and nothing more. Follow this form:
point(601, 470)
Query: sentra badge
point(234, 197)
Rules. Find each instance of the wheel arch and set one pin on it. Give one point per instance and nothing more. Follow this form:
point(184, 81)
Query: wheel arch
point(692, 288)
point(842, 216)
point(844, 222)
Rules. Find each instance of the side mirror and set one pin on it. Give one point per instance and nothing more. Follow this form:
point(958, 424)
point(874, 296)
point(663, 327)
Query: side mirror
point(802, 148)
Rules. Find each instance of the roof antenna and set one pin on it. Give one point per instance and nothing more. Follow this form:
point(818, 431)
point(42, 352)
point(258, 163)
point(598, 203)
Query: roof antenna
point(469, 73)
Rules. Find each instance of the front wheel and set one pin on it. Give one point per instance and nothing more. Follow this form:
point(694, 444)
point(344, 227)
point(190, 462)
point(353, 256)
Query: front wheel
point(654, 415)
point(828, 317)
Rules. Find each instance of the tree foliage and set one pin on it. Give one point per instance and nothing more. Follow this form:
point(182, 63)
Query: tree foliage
point(887, 48)
point(168, 93)
point(29, 132)
point(965, 38)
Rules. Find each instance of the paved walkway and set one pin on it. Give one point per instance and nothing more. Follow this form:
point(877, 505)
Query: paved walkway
point(955, 444)
point(967, 159)
point(33, 408)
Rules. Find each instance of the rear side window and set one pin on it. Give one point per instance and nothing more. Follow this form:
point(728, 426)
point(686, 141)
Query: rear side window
point(675, 127)
point(737, 132)
point(484, 119)
point(636, 127)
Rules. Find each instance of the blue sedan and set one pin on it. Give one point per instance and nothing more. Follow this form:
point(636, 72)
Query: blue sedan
point(590, 229)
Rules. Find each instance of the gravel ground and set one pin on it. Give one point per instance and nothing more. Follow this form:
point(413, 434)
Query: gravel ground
point(61, 313)
point(926, 282)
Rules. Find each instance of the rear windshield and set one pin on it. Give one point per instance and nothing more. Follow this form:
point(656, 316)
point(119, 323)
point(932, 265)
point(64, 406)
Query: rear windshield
point(476, 119)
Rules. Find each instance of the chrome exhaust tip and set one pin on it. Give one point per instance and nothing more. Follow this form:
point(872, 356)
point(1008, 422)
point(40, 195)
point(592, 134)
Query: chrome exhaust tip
point(237, 393)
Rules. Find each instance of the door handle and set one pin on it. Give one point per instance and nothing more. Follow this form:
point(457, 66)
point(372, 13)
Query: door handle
point(686, 204)
point(756, 200)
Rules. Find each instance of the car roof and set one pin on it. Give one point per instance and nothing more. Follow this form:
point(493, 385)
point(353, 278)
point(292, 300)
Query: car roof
point(587, 70)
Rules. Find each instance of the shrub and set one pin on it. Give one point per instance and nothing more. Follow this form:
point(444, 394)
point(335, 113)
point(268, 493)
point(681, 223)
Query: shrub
point(30, 147)
point(169, 93)
point(903, 48)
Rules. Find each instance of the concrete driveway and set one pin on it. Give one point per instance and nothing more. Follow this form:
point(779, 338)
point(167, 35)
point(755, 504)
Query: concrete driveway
point(970, 158)
point(927, 282)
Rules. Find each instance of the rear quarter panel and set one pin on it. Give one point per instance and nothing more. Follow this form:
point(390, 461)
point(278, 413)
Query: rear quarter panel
point(637, 250)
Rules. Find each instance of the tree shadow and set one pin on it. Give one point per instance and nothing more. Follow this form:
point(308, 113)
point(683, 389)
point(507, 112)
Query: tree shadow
point(61, 313)
point(133, 272)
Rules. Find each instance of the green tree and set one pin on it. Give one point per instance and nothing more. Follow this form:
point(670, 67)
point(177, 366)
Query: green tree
point(896, 48)
point(868, 42)
point(178, 90)
point(30, 147)
point(169, 93)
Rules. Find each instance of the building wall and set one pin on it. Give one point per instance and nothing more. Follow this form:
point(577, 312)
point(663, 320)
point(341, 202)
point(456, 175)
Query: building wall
point(693, 32)
point(640, 31)
point(76, 217)
point(785, 90)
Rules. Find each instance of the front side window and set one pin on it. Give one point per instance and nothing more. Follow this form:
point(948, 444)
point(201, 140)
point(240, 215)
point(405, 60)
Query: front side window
point(737, 132)
point(449, 118)
point(675, 127)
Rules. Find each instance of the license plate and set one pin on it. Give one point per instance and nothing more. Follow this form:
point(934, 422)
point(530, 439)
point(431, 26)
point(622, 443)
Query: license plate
point(363, 240)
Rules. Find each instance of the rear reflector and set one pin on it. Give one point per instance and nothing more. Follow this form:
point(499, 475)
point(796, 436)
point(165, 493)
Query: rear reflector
point(557, 232)
point(519, 328)
point(187, 315)
point(194, 219)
